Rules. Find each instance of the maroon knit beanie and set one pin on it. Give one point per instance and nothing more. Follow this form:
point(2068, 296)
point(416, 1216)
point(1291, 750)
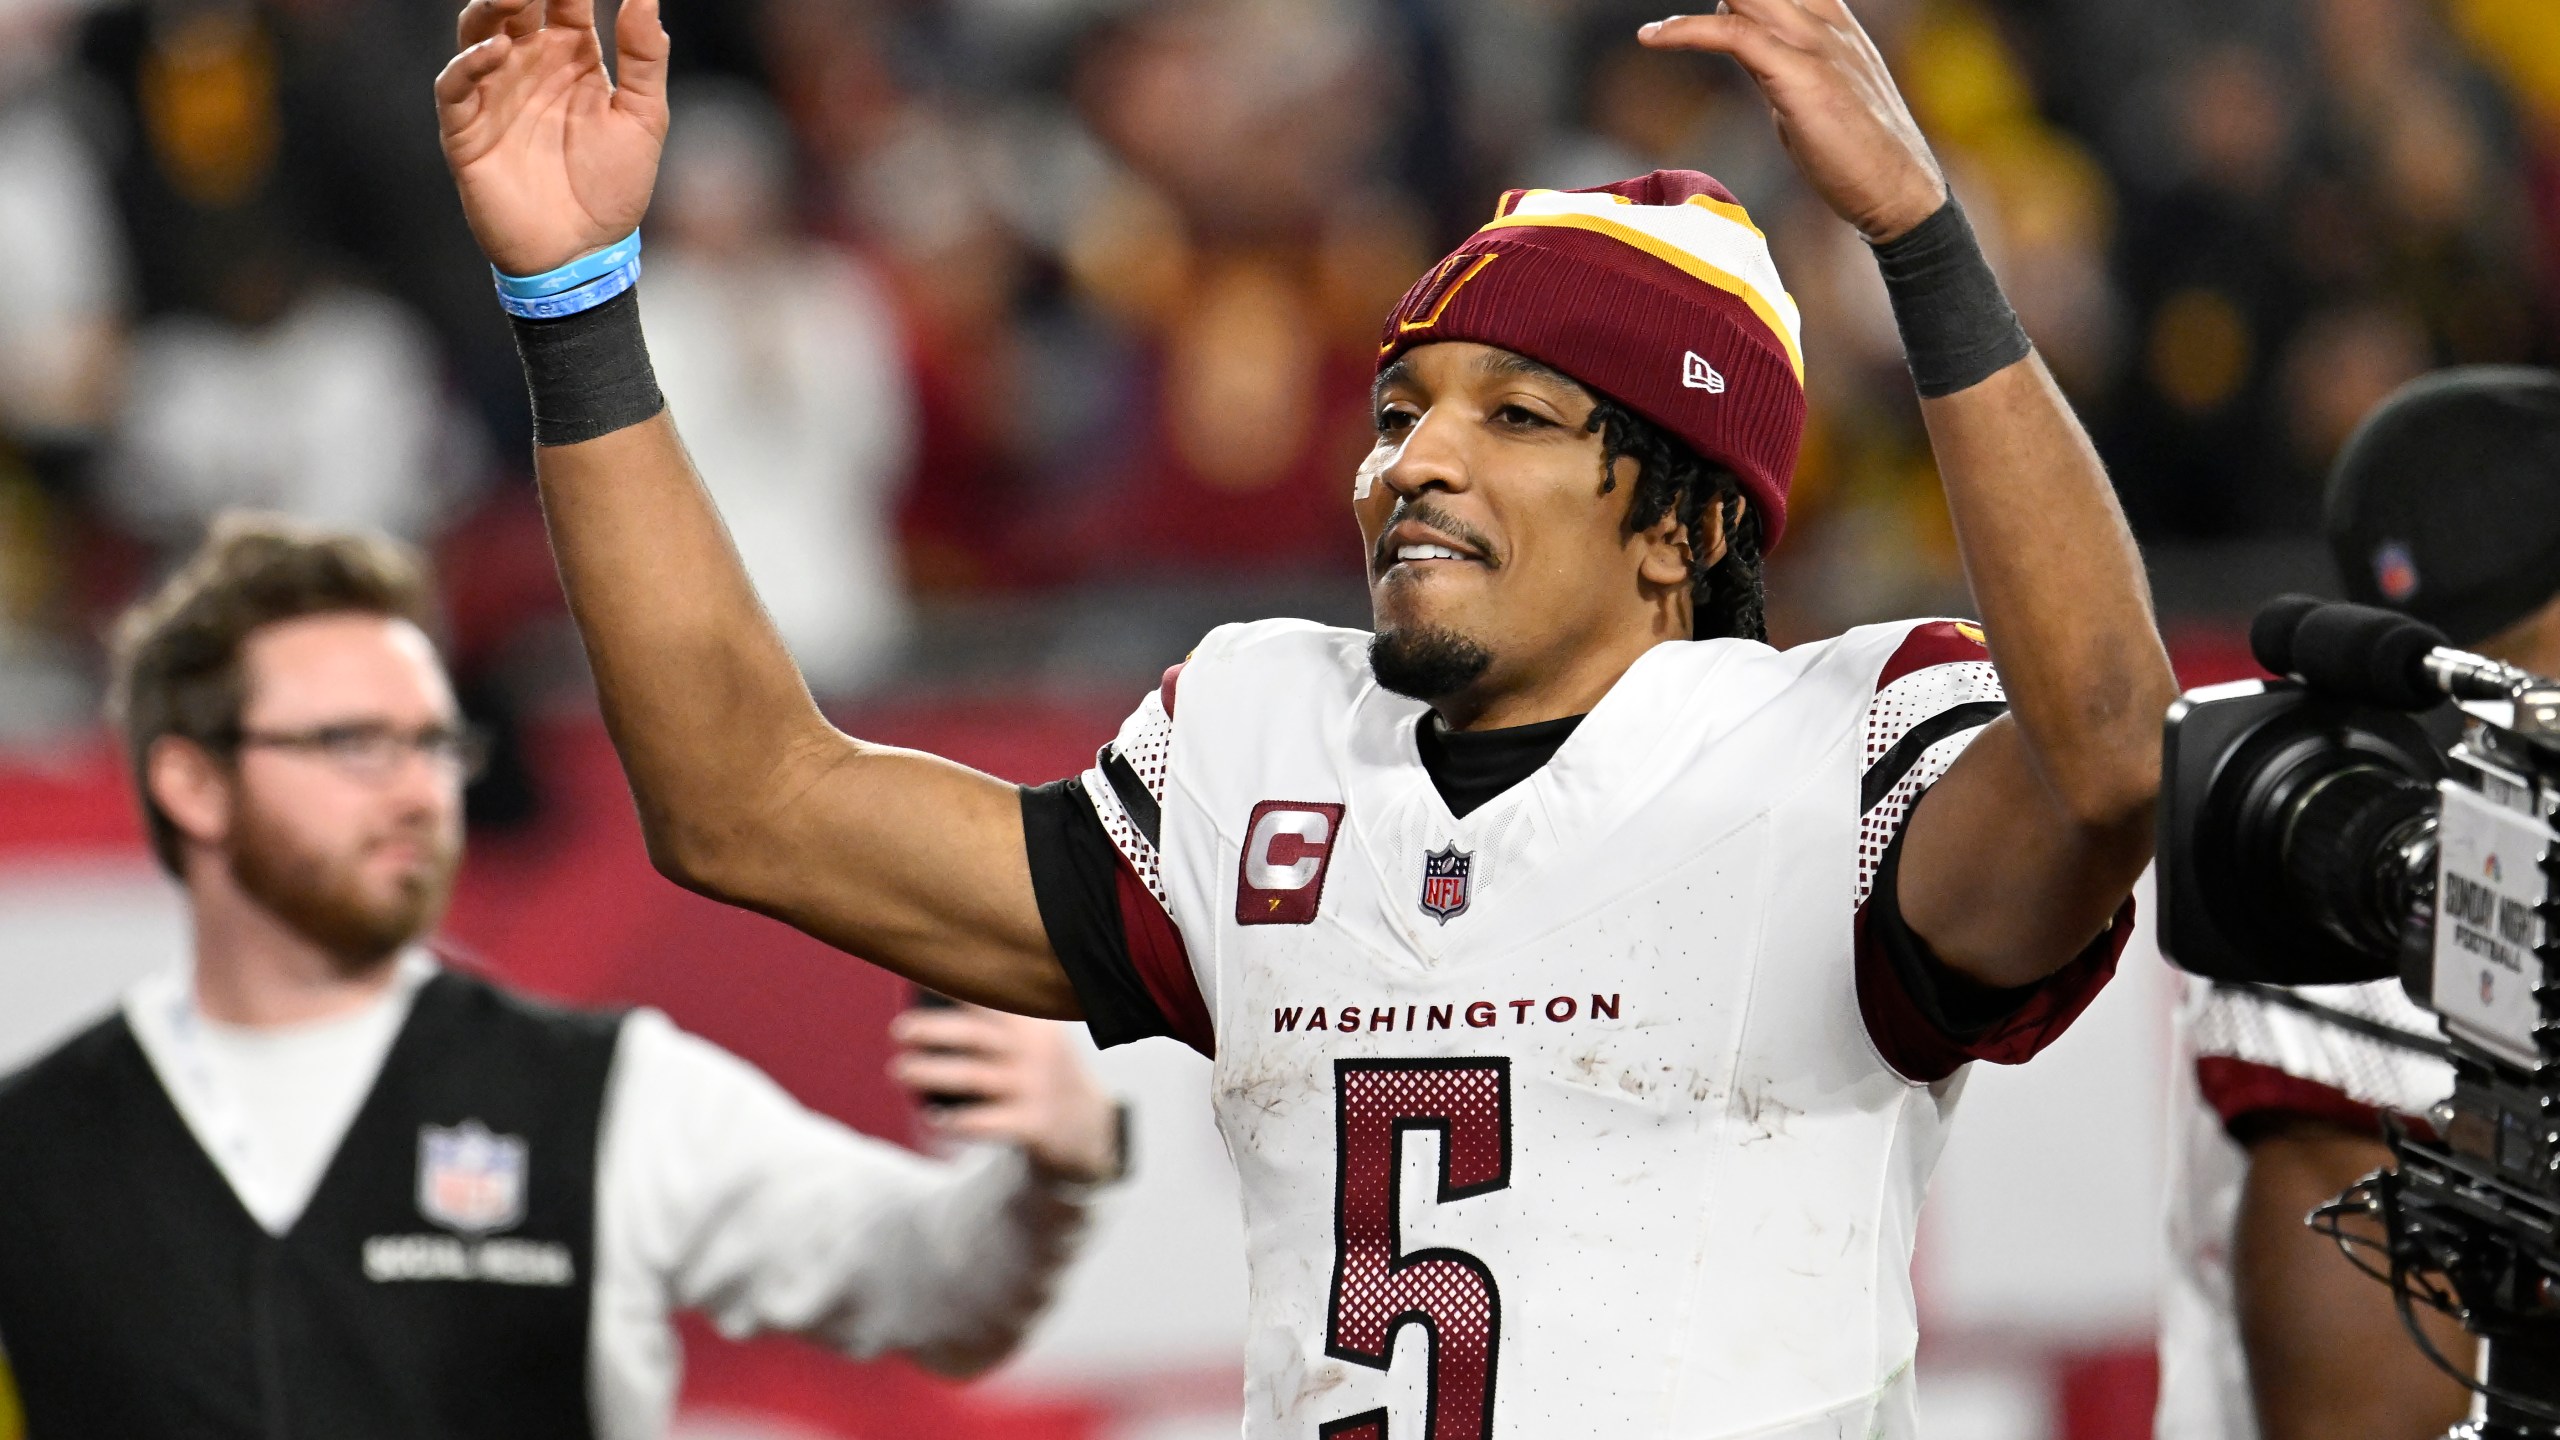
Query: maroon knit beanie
point(1657, 292)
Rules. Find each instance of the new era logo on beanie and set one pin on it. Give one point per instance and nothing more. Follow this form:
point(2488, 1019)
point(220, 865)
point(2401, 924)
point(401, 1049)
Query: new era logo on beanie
point(1658, 292)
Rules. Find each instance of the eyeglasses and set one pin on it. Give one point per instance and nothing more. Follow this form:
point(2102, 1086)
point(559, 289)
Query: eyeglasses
point(371, 751)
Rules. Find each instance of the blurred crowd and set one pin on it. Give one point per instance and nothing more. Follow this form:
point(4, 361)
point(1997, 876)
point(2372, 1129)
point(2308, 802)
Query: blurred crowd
point(1016, 300)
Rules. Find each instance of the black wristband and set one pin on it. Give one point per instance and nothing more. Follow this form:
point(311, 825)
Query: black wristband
point(1957, 328)
point(589, 373)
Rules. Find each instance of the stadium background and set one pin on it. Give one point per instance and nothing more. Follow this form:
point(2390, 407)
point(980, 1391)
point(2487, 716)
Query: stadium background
point(1024, 339)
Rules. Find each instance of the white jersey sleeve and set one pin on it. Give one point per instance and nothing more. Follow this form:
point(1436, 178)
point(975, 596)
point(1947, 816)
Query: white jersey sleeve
point(1127, 786)
point(1127, 779)
point(717, 1191)
point(1932, 697)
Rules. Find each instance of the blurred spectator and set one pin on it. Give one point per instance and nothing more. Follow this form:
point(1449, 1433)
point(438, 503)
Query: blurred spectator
point(1117, 267)
point(2342, 205)
point(897, 173)
point(62, 270)
point(351, 75)
point(1646, 110)
point(2209, 268)
point(255, 123)
point(784, 357)
point(1248, 252)
point(62, 313)
point(199, 177)
point(264, 374)
point(302, 395)
point(2519, 41)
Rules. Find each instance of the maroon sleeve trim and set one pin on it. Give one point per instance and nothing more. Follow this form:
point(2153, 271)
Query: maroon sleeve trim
point(1164, 691)
point(1163, 965)
point(1940, 642)
point(2244, 1090)
point(1918, 1050)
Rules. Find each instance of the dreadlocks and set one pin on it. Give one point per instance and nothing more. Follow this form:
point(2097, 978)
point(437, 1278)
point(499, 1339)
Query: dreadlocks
point(1726, 598)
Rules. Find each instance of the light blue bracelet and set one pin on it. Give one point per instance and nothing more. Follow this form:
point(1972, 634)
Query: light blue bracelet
point(585, 297)
point(581, 271)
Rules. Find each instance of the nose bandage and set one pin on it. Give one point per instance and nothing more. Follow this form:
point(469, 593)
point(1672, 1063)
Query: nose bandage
point(1376, 465)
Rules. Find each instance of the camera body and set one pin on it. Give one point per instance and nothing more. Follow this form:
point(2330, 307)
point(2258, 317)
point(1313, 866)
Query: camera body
point(2315, 834)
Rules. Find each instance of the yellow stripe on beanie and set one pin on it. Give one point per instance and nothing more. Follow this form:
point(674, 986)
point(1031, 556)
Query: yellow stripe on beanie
point(1710, 240)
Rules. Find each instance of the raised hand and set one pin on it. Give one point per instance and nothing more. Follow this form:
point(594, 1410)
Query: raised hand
point(552, 157)
point(1838, 111)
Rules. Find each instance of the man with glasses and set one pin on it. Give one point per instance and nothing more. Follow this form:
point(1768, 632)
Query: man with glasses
point(314, 1184)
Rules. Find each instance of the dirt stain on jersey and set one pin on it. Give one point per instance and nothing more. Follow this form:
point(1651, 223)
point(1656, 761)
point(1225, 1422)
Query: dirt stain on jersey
point(1317, 1383)
point(1268, 1084)
point(1600, 1067)
point(1766, 1115)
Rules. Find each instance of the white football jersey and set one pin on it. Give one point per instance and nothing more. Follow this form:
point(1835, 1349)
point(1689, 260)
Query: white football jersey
point(1560, 1118)
point(2237, 1052)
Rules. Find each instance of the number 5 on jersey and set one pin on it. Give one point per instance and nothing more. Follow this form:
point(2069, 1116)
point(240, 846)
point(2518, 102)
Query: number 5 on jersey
point(1377, 1288)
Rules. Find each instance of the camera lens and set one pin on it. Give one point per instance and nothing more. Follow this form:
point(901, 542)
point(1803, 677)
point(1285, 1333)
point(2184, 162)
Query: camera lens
point(2297, 836)
point(2358, 852)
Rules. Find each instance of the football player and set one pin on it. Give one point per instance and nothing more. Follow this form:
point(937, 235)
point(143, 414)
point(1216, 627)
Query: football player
point(1588, 983)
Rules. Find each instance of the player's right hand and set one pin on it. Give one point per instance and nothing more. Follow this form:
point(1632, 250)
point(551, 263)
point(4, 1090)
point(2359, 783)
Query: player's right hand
point(554, 159)
point(1838, 112)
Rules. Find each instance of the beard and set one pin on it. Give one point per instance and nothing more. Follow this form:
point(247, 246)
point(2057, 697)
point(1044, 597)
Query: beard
point(1427, 662)
point(324, 898)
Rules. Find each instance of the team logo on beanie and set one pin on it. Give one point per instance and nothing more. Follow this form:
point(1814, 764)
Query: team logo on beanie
point(1434, 292)
point(2395, 571)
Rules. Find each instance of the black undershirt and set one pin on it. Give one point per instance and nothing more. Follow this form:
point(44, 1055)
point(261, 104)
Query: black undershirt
point(1074, 879)
point(1470, 767)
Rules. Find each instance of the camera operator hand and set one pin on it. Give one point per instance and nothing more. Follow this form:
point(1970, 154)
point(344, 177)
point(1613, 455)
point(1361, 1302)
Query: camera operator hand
point(553, 159)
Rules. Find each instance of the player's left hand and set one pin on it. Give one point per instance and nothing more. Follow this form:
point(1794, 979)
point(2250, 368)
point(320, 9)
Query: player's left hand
point(1838, 111)
point(986, 1075)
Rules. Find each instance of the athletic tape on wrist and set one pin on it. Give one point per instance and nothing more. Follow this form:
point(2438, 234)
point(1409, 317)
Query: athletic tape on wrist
point(588, 374)
point(1957, 328)
point(581, 271)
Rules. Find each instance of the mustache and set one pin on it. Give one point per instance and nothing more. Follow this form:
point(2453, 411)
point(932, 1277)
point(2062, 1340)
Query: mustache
point(438, 850)
point(1421, 511)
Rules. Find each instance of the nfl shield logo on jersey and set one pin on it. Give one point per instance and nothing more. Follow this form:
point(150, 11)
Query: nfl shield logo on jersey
point(1444, 882)
point(470, 1180)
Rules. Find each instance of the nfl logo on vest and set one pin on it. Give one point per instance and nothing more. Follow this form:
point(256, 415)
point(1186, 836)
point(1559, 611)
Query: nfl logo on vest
point(470, 1180)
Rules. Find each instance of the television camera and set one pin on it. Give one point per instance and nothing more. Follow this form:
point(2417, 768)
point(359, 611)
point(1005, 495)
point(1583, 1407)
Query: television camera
point(2387, 811)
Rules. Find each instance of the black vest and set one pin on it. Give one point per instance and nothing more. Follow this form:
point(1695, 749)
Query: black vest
point(139, 1300)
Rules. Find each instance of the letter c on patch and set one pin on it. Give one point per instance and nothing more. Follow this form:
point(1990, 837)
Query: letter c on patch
point(1288, 844)
point(1287, 848)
